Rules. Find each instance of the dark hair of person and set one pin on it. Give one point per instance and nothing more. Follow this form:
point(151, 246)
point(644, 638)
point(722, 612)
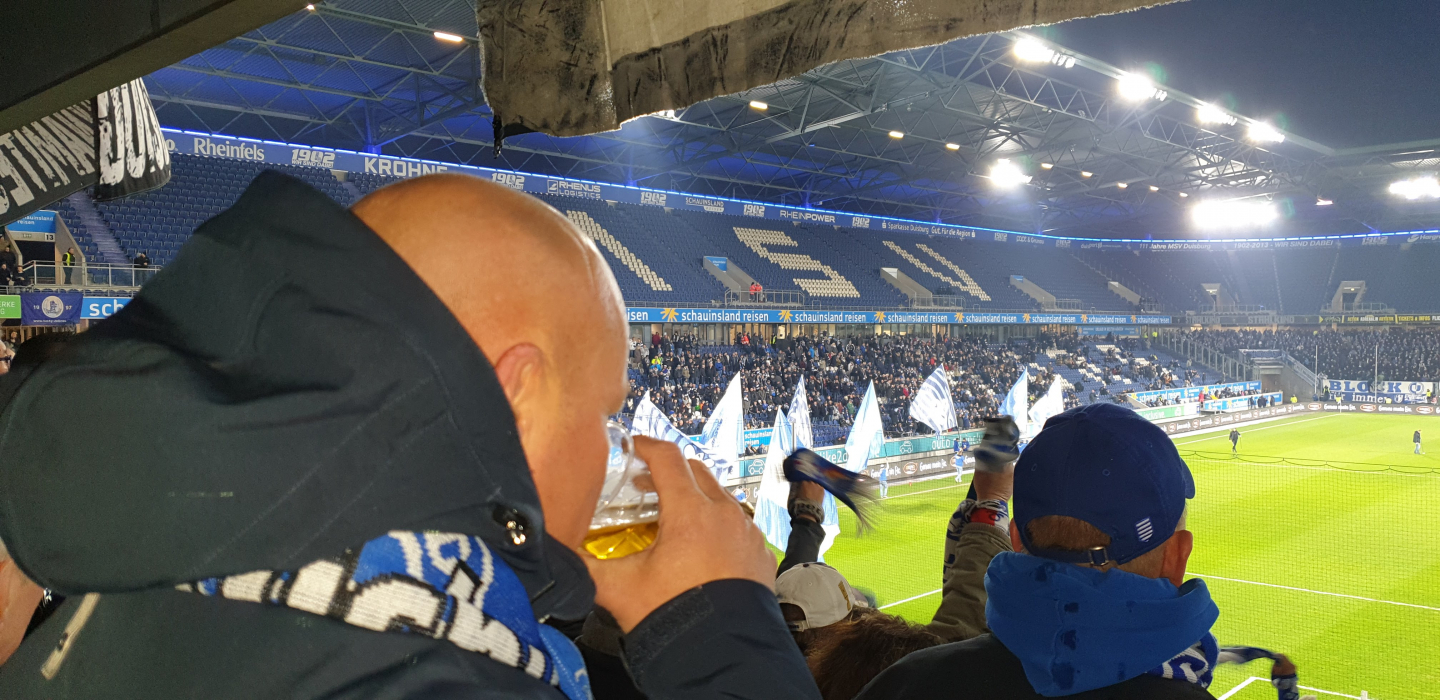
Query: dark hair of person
point(855, 651)
point(40, 348)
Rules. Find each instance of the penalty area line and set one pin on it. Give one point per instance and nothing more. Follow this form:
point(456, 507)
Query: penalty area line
point(1307, 590)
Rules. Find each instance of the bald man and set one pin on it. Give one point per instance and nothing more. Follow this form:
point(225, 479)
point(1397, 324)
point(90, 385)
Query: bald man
point(287, 480)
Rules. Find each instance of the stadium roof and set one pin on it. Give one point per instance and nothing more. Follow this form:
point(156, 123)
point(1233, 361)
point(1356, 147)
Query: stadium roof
point(370, 75)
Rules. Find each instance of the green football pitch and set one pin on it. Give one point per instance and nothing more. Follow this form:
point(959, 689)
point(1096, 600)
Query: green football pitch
point(1320, 539)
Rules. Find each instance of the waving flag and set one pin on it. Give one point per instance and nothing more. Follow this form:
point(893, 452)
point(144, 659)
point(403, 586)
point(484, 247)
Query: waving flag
point(724, 431)
point(771, 514)
point(1016, 403)
point(804, 437)
point(932, 404)
point(652, 423)
point(867, 436)
point(1051, 404)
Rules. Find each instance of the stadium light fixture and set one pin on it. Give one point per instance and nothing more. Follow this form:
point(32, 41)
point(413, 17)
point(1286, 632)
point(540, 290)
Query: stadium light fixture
point(953, 146)
point(1007, 174)
point(897, 134)
point(1135, 88)
point(1086, 173)
point(1233, 214)
point(1210, 114)
point(1047, 166)
point(1184, 194)
point(1032, 51)
point(447, 36)
point(310, 8)
point(1154, 188)
point(1122, 185)
point(1417, 188)
point(1323, 202)
point(1260, 131)
point(758, 105)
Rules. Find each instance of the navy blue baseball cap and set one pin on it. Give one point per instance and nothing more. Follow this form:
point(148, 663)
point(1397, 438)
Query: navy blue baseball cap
point(1103, 464)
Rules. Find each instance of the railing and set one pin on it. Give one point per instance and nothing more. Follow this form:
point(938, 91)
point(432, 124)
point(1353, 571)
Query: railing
point(1369, 306)
point(766, 297)
point(1236, 309)
point(943, 301)
point(1065, 305)
point(50, 275)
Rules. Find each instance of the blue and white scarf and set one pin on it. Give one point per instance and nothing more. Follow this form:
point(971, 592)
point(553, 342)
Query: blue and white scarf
point(1196, 664)
point(442, 585)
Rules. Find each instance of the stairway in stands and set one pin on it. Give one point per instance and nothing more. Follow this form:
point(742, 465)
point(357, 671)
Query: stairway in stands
point(97, 229)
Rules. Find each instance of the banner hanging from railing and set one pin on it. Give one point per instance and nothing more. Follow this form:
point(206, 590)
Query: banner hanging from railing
point(50, 308)
point(1382, 392)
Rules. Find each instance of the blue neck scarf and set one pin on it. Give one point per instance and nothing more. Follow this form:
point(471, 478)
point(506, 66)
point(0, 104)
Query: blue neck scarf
point(442, 585)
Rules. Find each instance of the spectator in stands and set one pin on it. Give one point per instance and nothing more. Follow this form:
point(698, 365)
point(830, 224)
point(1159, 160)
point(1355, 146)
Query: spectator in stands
point(1094, 598)
point(7, 358)
point(9, 276)
point(371, 423)
point(7, 256)
point(67, 261)
point(142, 260)
point(757, 293)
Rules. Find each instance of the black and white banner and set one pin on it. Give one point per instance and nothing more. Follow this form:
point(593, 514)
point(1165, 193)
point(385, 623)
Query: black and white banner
point(56, 156)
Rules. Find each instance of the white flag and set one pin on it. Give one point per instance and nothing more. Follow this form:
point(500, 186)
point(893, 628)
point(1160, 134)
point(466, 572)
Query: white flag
point(724, 431)
point(652, 423)
point(771, 515)
point(804, 437)
point(932, 404)
point(800, 417)
point(1017, 403)
point(867, 436)
point(1049, 405)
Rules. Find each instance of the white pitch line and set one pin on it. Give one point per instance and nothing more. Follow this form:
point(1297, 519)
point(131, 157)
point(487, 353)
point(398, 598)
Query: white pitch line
point(1307, 590)
point(1256, 430)
point(916, 493)
point(1237, 688)
point(913, 597)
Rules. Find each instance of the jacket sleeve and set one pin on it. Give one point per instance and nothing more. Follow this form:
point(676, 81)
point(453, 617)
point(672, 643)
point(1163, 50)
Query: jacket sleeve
point(969, 547)
point(725, 639)
point(806, 535)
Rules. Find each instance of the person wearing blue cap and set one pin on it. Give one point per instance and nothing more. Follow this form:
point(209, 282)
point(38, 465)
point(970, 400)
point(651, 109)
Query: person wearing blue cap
point(1093, 603)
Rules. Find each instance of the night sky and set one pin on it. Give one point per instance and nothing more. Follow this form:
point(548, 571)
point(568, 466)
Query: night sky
point(1346, 73)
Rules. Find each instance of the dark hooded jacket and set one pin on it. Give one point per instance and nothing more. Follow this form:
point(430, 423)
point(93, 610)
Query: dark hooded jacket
point(263, 404)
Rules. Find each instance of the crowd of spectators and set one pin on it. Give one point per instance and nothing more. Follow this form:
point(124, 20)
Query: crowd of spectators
point(686, 379)
point(1404, 354)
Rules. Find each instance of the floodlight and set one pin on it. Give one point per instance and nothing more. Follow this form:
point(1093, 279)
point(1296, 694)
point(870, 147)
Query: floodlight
point(1007, 174)
point(1086, 173)
point(1047, 166)
point(897, 134)
point(1135, 88)
point(1233, 214)
point(1417, 188)
point(1184, 194)
point(1322, 202)
point(310, 7)
point(1210, 114)
point(1260, 131)
point(953, 146)
point(1028, 49)
point(447, 36)
point(1154, 188)
point(1122, 185)
point(757, 104)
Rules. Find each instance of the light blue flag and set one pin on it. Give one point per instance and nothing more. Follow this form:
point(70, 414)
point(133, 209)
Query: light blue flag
point(1049, 405)
point(1017, 403)
point(804, 437)
point(932, 404)
point(724, 431)
point(652, 423)
point(771, 514)
point(800, 417)
point(867, 436)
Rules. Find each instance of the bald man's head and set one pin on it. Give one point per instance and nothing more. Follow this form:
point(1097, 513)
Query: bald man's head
point(540, 302)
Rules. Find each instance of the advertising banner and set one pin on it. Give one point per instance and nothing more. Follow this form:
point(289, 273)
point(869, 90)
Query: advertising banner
point(702, 315)
point(1193, 392)
point(102, 307)
point(1240, 403)
point(1384, 392)
point(9, 306)
point(1118, 331)
point(217, 145)
point(35, 226)
point(50, 308)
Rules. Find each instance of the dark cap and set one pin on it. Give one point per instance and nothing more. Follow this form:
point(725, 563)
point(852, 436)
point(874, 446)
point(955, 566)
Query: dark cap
point(1107, 466)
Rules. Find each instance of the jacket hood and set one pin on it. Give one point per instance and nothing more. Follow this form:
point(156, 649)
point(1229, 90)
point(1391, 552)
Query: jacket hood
point(1076, 629)
point(287, 388)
